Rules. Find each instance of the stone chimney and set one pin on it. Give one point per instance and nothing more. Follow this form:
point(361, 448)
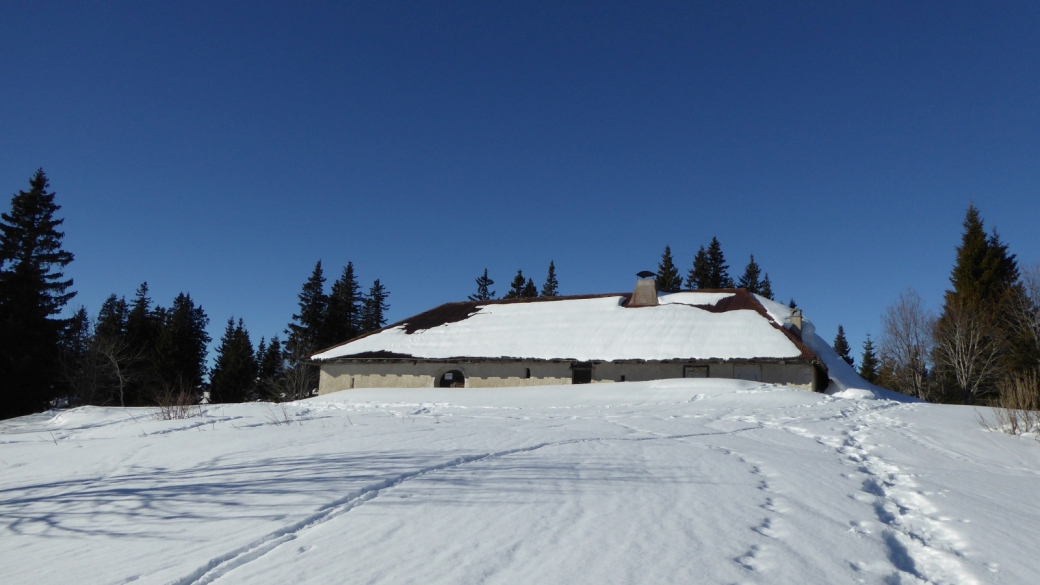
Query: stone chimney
point(796, 322)
point(645, 294)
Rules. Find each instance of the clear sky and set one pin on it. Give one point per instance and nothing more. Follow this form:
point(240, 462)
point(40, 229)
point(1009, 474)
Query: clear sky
point(222, 148)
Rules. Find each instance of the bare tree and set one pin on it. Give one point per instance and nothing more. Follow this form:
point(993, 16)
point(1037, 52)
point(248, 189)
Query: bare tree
point(100, 373)
point(906, 343)
point(968, 347)
point(117, 358)
point(1024, 316)
point(297, 378)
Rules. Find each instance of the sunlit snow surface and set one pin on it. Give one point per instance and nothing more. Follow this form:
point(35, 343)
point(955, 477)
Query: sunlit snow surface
point(682, 481)
point(590, 329)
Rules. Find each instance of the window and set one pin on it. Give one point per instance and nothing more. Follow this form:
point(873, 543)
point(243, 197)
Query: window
point(695, 371)
point(750, 372)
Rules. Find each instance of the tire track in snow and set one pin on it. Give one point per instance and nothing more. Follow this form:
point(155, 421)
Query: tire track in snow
point(219, 566)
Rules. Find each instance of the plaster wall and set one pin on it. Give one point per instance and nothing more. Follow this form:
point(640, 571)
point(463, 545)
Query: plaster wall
point(423, 374)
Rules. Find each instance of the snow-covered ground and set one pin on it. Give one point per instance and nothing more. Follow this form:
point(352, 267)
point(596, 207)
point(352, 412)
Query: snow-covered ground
point(680, 481)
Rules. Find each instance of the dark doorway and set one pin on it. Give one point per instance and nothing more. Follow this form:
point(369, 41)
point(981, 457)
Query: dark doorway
point(452, 379)
point(581, 374)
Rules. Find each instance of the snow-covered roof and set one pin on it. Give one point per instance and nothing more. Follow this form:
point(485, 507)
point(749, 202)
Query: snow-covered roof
point(696, 325)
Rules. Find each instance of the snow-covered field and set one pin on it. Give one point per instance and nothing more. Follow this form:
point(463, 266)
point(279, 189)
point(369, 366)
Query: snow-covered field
point(680, 481)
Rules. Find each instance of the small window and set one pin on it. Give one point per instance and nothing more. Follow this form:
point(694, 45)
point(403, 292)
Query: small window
point(695, 371)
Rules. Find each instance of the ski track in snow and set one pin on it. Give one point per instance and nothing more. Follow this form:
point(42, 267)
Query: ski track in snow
point(219, 566)
point(911, 539)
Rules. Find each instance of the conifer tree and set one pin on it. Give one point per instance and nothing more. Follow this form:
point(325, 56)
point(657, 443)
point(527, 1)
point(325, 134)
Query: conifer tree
point(700, 275)
point(180, 352)
point(791, 304)
point(530, 291)
point(306, 330)
point(235, 371)
point(718, 270)
point(551, 288)
point(516, 288)
point(841, 346)
point(984, 270)
point(974, 345)
point(112, 318)
point(269, 359)
point(343, 319)
point(750, 279)
point(375, 307)
point(668, 279)
point(484, 292)
point(75, 344)
point(143, 322)
point(766, 289)
point(143, 325)
point(33, 291)
point(869, 363)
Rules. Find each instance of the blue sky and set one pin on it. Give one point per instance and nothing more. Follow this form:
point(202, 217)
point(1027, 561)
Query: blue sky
point(222, 148)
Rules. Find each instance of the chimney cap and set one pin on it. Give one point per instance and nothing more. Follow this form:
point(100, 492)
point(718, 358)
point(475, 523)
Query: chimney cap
point(646, 274)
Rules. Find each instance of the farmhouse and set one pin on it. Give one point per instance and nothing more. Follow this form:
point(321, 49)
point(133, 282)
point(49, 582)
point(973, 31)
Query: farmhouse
point(727, 333)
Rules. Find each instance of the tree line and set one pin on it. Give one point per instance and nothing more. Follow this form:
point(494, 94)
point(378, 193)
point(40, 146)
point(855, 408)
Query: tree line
point(520, 288)
point(984, 345)
point(710, 271)
point(138, 352)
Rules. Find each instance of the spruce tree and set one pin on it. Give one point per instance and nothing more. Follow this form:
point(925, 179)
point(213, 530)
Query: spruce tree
point(984, 270)
point(75, 344)
point(668, 279)
point(975, 344)
point(551, 288)
point(307, 328)
point(766, 289)
point(33, 291)
point(791, 304)
point(699, 276)
point(270, 360)
point(180, 352)
point(343, 318)
point(235, 371)
point(718, 270)
point(530, 291)
point(143, 325)
point(750, 279)
point(869, 363)
point(143, 322)
point(841, 346)
point(516, 288)
point(375, 307)
point(112, 318)
point(484, 292)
